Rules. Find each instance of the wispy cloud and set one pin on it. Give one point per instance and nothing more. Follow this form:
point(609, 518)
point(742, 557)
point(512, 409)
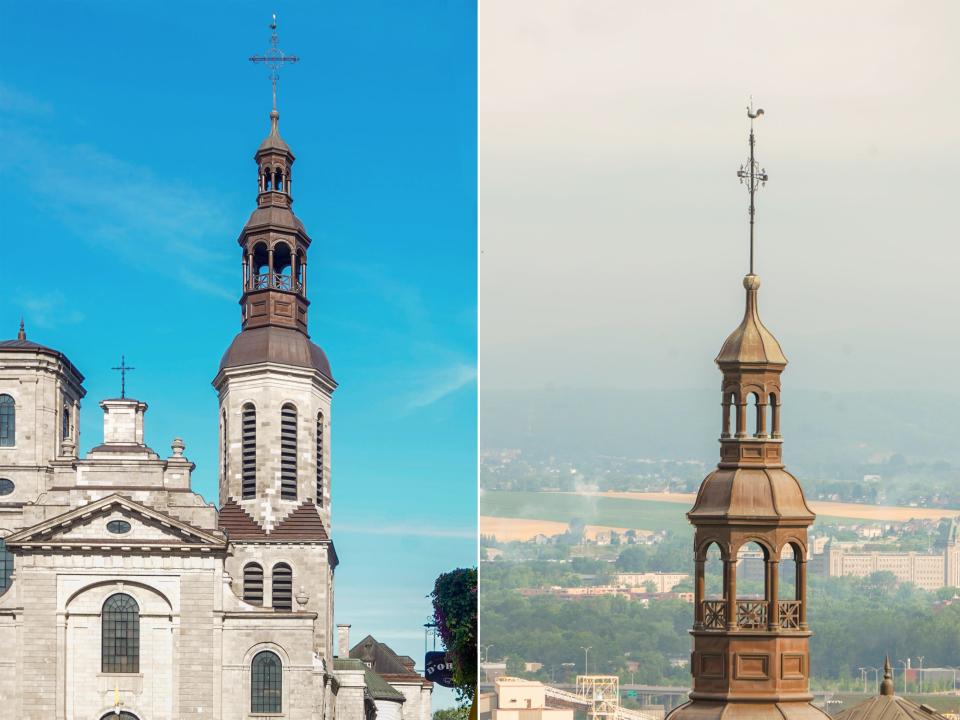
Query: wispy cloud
point(442, 383)
point(408, 531)
point(48, 311)
point(140, 218)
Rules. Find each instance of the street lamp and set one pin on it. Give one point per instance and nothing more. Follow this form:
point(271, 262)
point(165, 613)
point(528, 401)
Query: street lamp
point(904, 675)
point(586, 655)
point(863, 676)
point(876, 679)
point(486, 652)
point(920, 658)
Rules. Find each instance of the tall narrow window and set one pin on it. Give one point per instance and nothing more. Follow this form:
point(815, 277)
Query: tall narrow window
point(223, 446)
point(8, 421)
point(248, 470)
point(120, 651)
point(288, 453)
point(66, 422)
point(253, 584)
point(6, 567)
point(266, 683)
point(282, 587)
point(320, 458)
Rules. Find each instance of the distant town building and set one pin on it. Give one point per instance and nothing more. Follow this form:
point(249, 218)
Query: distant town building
point(663, 582)
point(929, 571)
point(519, 699)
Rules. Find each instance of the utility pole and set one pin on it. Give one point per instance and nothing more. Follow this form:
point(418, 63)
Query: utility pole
point(905, 665)
point(920, 658)
point(586, 655)
point(863, 676)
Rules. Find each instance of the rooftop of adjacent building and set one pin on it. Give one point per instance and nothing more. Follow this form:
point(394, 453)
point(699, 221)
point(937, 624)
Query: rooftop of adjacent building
point(888, 705)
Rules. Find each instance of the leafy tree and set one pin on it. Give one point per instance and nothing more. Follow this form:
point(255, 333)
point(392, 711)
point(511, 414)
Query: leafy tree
point(461, 712)
point(455, 613)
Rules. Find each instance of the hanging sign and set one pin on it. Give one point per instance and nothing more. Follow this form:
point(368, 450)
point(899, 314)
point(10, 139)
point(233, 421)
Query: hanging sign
point(439, 668)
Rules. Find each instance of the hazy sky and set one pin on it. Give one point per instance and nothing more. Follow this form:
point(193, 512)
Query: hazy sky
point(613, 229)
point(128, 132)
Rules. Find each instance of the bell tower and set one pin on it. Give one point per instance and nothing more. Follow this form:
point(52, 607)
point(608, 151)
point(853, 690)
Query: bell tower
point(750, 645)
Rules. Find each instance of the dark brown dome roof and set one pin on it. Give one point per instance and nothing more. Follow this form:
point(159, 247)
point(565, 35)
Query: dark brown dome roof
point(284, 346)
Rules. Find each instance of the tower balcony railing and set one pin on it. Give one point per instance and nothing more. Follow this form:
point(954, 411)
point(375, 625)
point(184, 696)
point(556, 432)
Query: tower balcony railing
point(750, 614)
point(276, 281)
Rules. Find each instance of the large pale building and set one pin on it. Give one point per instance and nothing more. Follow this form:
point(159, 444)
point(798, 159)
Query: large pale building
point(123, 593)
point(929, 571)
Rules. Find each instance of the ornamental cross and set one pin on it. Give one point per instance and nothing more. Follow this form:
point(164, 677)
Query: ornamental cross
point(123, 368)
point(751, 173)
point(274, 58)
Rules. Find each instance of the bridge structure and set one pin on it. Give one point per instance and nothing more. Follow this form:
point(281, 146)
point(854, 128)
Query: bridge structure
point(598, 694)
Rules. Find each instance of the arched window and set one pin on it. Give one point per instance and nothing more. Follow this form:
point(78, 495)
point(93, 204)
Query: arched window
point(320, 458)
point(120, 650)
point(288, 452)
point(278, 180)
point(253, 583)
point(266, 683)
point(752, 585)
point(282, 266)
point(8, 421)
point(266, 179)
point(248, 469)
point(755, 419)
point(282, 587)
point(6, 566)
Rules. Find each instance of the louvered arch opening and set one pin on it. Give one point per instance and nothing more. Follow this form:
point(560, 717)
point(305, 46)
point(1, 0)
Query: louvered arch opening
point(253, 583)
point(288, 452)
point(248, 470)
point(320, 458)
point(282, 587)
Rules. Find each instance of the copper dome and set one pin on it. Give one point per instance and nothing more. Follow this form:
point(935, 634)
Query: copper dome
point(751, 343)
point(284, 346)
point(749, 494)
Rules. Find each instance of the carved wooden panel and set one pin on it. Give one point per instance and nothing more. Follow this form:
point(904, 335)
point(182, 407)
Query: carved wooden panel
point(711, 666)
point(792, 667)
point(752, 667)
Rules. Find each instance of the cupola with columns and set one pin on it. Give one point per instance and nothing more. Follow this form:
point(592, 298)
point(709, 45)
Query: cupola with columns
point(750, 649)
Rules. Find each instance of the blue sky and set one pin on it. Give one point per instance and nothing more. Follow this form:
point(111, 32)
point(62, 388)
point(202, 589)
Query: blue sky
point(128, 131)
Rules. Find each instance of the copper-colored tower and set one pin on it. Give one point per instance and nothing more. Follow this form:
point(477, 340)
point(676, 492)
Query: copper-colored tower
point(750, 656)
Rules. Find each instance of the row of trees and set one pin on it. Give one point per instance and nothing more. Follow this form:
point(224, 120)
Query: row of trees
point(856, 621)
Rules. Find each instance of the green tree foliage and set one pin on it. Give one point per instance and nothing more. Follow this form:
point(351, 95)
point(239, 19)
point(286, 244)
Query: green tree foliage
point(856, 622)
point(456, 713)
point(455, 613)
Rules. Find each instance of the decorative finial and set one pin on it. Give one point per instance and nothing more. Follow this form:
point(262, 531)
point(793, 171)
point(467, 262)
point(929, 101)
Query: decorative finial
point(21, 334)
point(123, 368)
point(751, 173)
point(274, 59)
point(177, 446)
point(886, 687)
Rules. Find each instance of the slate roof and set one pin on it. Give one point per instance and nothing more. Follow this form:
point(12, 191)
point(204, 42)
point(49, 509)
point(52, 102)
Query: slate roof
point(28, 346)
point(303, 524)
point(381, 658)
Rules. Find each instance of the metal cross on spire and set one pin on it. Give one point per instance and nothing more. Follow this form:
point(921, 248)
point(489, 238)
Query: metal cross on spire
point(274, 58)
point(123, 368)
point(751, 173)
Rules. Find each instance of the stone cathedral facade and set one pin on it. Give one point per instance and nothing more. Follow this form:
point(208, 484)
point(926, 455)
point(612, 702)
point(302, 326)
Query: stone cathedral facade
point(123, 594)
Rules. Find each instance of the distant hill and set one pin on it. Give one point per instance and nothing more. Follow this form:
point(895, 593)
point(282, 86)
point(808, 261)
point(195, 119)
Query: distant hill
point(823, 430)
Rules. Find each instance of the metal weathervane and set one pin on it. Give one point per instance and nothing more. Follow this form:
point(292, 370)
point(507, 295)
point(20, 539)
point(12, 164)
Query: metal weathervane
point(751, 174)
point(124, 369)
point(274, 58)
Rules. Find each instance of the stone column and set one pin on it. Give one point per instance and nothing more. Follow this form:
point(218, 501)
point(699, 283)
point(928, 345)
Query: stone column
point(802, 589)
point(741, 420)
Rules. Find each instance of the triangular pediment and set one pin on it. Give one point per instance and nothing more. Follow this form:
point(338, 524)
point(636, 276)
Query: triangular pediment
point(116, 521)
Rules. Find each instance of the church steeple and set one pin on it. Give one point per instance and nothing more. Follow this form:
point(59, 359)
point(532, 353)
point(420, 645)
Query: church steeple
point(750, 652)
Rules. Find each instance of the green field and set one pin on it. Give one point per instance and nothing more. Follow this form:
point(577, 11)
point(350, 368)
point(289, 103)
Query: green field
point(594, 510)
